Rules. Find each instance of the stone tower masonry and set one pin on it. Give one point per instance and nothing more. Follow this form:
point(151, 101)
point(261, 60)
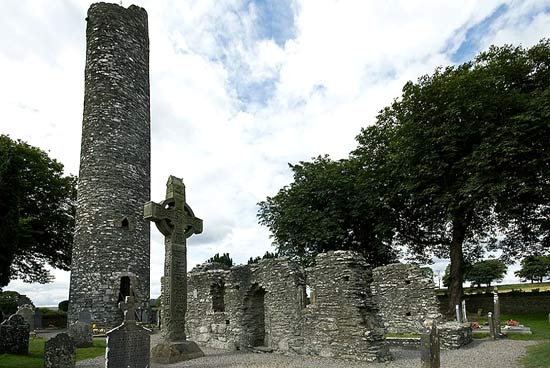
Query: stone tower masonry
point(111, 250)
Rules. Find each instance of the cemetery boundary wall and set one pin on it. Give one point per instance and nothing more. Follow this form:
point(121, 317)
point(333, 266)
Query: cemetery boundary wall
point(510, 303)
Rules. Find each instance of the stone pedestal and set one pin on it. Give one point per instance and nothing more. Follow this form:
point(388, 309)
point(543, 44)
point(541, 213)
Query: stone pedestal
point(171, 352)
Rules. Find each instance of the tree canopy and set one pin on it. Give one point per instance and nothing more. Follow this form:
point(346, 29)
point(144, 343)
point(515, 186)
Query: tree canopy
point(534, 268)
point(36, 213)
point(460, 157)
point(485, 272)
point(468, 158)
point(323, 210)
point(224, 259)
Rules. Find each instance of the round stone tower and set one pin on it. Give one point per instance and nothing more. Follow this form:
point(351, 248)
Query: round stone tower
point(111, 250)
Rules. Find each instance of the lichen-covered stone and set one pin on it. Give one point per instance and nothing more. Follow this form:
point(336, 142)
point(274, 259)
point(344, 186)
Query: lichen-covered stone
point(405, 296)
point(60, 352)
point(454, 335)
point(111, 255)
point(128, 345)
point(264, 306)
point(81, 333)
point(27, 312)
point(14, 335)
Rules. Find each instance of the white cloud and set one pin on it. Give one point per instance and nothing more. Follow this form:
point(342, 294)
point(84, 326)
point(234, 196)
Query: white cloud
point(231, 105)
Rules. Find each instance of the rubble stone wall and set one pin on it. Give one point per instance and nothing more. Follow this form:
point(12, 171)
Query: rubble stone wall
point(405, 297)
point(265, 305)
point(111, 242)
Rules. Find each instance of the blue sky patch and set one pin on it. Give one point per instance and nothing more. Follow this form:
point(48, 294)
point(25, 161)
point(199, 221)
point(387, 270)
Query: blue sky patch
point(275, 20)
point(470, 46)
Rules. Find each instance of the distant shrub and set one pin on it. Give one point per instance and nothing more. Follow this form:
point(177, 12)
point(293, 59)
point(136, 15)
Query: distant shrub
point(64, 305)
point(8, 302)
point(55, 318)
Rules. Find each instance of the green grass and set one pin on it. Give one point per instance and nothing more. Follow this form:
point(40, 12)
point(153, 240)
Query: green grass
point(538, 356)
point(402, 335)
point(538, 322)
point(36, 354)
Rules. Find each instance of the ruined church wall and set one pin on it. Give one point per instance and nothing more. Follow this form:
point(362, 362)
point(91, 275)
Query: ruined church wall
point(406, 297)
point(342, 320)
point(275, 281)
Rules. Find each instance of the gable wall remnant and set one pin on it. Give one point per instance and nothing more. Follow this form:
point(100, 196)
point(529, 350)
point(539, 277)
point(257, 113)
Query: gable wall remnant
point(405, 296)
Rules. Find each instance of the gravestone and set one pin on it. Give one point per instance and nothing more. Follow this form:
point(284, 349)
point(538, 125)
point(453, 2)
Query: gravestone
point(81, 333)
point(60, 352)
point(14, 335)
point(27, 312)
point(37, 319)
point(128, 345)
point(176, 221)
point(429, 345)
point(457, 310)
point(85, 316)
point(464, 316)
point(496, 314)
point(492, 331)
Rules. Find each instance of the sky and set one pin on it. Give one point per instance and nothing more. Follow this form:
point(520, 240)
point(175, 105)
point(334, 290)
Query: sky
point(239, 89)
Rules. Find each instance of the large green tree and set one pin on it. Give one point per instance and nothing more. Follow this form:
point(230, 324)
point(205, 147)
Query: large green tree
point(485, 272)
point(36, 213)
point(534, 268)
point(325, 209)
point(468, 157)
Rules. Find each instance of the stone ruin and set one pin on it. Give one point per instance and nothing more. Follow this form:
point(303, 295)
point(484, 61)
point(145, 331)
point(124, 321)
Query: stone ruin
point(406, 298)
point(265, 307)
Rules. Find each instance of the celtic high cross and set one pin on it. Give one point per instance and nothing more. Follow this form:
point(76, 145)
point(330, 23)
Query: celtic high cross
point(176, 221)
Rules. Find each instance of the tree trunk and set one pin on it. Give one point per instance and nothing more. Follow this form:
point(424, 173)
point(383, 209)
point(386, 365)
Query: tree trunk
point(457, 264)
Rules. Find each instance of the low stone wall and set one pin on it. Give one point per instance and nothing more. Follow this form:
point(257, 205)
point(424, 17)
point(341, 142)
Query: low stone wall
point(454, 335)
point(406, 297)
point(510, 303)
point(408, 343)
point(265, 305)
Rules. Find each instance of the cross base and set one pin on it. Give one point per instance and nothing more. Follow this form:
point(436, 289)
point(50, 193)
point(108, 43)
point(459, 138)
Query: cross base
point(167, 352)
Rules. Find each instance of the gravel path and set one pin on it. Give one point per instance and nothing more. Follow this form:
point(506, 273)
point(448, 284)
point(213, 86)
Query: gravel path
point(480, 353)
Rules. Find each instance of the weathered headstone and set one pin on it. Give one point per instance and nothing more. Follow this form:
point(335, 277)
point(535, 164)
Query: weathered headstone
point(491, 320)
point(37, 319)
point(14, 335)
point(128, 345)
point(27, 312)
point(429, 349)
point(176, 221)
point(457, 310)
point(496, 315)
point(85, 316)
point(464, 316)
point(81, 333)
point(60, 352)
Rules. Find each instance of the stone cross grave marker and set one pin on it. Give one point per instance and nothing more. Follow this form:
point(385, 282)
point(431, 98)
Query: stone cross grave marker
point(128, 345)
point(177, 222)
point(128, 307)
point(60, 352)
